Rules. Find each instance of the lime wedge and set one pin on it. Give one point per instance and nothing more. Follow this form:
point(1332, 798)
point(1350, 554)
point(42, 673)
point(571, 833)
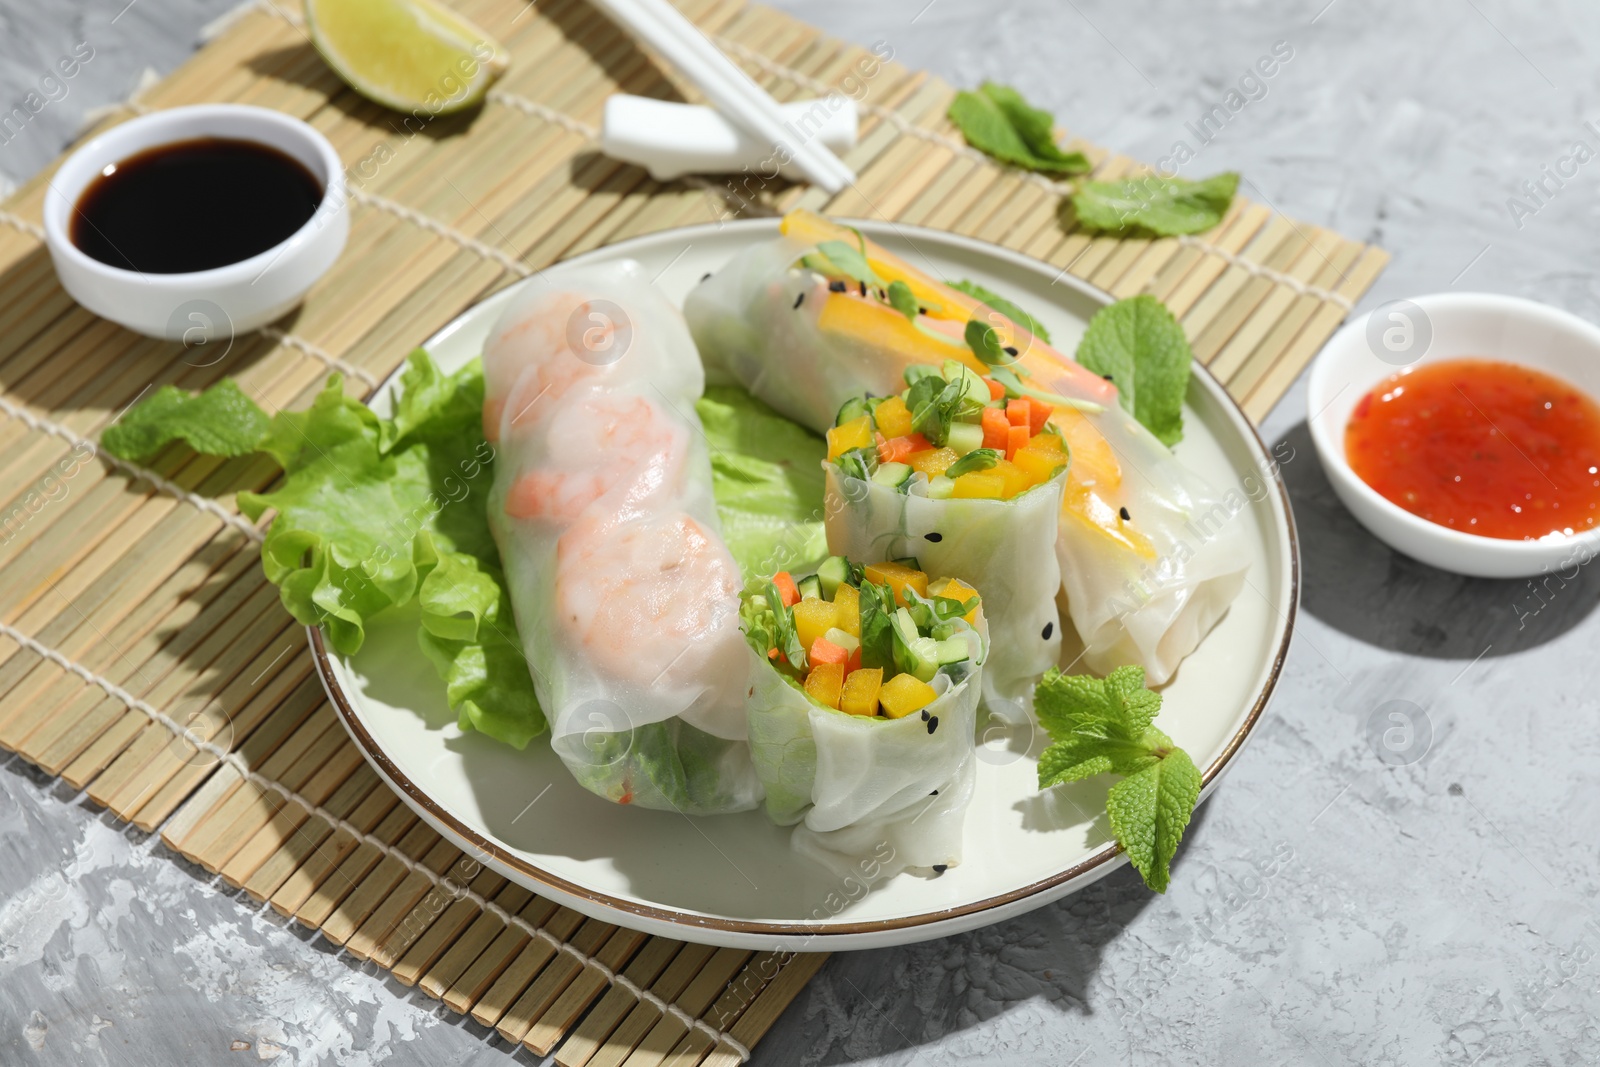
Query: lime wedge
point(411, 55)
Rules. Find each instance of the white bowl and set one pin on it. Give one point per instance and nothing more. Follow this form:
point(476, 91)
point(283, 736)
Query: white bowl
point(1426, 330)
point(208, 304)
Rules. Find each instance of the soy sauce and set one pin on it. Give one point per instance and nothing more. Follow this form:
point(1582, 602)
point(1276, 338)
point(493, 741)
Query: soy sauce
point(194, 205)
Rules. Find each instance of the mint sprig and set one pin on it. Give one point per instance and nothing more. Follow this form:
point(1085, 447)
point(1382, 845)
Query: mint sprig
point(999, 303)
point(997, 121)
point(1143, 350)
point(221, 421)
point(1154, 204)
point(1103, 726)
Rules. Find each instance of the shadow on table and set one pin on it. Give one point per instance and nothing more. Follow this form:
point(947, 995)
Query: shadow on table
point(1360, 586)
point(881, 1002)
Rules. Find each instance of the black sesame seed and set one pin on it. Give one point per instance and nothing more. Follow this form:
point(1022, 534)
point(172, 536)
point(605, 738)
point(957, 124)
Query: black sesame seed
point(934, 793)
point(924, 715)
point(1124, 513)
point(940, 868)
point(1049, 628)
point(836, 287)
point(922, 311)
point(801, 299)
point(706, 275)
point(933, 724)
point(1011, 350)
point(934, 537)
point(863, 288)
point(1108, 377)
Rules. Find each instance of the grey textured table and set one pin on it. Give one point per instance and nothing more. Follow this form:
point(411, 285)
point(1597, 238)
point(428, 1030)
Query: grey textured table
point(1327, 908)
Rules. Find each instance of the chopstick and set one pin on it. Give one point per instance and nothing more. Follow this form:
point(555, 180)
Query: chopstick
point(661, 26)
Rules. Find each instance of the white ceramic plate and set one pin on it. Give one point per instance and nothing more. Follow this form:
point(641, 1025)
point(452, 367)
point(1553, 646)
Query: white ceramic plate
point(732, 880)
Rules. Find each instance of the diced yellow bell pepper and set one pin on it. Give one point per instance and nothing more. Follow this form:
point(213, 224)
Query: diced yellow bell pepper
point(812, 619)
point(1040, 458)
point(1093, 462)
point(860, 695)
point(1014, 477)
point(956, 589)
point(881, 326)
point(898, 576)
point(980, 485)
point(825, 682)
point(857, 433)
point(847, 610)
point(1082, 504)
point(893, 417)
point(904, 694)
point(932, 461)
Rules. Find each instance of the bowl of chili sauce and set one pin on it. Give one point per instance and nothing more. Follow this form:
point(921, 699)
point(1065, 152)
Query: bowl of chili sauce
point(1463, 430)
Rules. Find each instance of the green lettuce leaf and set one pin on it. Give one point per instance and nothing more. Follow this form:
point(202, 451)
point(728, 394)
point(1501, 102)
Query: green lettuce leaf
point(767, 476)
point(997, 121)
point(1154, 204)
point(1139, 345)
point(221, 421)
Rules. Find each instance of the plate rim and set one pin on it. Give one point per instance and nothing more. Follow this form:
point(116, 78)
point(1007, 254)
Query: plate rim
point(818, 935)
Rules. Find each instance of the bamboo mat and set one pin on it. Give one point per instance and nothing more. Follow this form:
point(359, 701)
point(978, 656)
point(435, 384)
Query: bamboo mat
point(136, 617)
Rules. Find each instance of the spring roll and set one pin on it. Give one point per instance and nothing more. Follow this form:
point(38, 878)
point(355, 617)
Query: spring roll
point(863, 711)
point(821, 315)
point(940, 489)
point(626, 598)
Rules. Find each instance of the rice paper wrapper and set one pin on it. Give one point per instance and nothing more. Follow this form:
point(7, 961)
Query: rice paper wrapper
point(749, 329)
point(1005, 549)
point(626, 598)
point(867, 787)
point(1152, 609)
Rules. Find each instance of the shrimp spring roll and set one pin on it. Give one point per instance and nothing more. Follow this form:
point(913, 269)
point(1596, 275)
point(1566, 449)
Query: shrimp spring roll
point(822, 315)
point(626, 598)
point(930, 472)
point(863, 710)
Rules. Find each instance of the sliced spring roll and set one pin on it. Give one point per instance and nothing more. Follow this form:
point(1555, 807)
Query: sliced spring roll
point(863, 711)
point(626, 598)
point(821, 315)
point(942, 489)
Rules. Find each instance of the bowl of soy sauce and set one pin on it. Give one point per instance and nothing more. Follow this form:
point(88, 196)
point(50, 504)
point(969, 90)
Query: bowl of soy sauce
point(197, 223)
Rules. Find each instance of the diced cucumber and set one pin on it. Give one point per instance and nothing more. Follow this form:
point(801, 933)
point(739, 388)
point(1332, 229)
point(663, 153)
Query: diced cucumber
point(893, 475)
point(810, 586)
point(977, 388)
point(850, 410)
point(842, 638)
point(941, 488)
point(964, 437)
point(954, 650)
point(908, 561)
point(834, 572)
point(913, 654)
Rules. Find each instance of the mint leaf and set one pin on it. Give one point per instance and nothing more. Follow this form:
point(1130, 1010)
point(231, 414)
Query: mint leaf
point(1004, 306)
point(902, 299)
point(852, 262)
point(1103, 726)
point(221, 421)
point(1154, 204)
point(1149, 811)
point(998, 122)
point(1142, 348)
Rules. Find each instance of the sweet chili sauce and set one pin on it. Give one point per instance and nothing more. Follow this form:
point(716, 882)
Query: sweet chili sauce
point(1484, 447)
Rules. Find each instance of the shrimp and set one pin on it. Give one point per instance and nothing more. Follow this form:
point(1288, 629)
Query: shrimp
point(617, 447)
point(554, 345)
point(653, 601)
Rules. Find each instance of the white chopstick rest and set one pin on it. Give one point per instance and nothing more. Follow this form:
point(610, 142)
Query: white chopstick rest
point(670, 139)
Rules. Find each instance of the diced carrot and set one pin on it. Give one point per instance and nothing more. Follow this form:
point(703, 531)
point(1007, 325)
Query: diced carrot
point(1038, 414)
point(995, 429)
point(1017, 411)
point(788, 592)
point(895, 449)
point(996, 390)
point(773, 653)
point(1016, 437)
point(825, 651)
